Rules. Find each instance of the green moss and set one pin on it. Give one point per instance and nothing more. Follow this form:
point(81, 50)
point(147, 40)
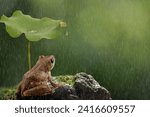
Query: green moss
point(8, 93)
point(67, 79)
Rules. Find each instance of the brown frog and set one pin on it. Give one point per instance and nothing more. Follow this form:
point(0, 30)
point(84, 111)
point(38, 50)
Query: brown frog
point(38, 80)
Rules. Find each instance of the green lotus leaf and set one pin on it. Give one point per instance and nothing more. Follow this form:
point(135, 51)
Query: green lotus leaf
point(34, 29)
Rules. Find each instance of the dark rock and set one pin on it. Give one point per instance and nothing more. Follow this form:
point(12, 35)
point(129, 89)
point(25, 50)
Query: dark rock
point(85, 88)
point(65, 93)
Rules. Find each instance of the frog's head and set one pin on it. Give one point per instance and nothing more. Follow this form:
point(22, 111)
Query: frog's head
point(46, 62)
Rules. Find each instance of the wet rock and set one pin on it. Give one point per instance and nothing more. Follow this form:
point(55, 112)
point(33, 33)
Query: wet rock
point(85, 87)
point(65, 93)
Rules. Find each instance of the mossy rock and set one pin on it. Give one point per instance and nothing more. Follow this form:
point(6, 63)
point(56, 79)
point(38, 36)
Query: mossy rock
point(8, 93)
point(81, 86)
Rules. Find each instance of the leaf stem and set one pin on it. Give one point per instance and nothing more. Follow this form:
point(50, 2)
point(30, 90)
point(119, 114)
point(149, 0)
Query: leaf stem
point(29, 54)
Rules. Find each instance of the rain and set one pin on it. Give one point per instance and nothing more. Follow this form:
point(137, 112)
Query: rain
point(108, 39)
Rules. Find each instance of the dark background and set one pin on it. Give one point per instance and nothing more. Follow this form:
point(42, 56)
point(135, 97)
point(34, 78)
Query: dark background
point(108, 39)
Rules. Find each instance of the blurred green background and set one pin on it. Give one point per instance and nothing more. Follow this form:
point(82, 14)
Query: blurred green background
point(108, 39)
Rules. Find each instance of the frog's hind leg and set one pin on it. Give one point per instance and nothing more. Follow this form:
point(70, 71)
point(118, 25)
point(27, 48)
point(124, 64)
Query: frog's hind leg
point(18, 90)
point(38, 91)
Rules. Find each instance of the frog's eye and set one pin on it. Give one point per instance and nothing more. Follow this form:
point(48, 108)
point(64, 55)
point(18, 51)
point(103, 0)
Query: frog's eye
point(52, 61)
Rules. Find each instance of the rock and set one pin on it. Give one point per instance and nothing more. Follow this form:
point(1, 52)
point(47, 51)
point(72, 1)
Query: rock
point(87, 88)
point(65, 93)
point(83, 87)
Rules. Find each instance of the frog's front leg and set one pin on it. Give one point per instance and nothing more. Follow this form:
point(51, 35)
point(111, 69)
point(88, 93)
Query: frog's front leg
point(53, 84)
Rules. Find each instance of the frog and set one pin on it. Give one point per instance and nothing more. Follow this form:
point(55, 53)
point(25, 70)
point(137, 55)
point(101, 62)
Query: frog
point(38, 80)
